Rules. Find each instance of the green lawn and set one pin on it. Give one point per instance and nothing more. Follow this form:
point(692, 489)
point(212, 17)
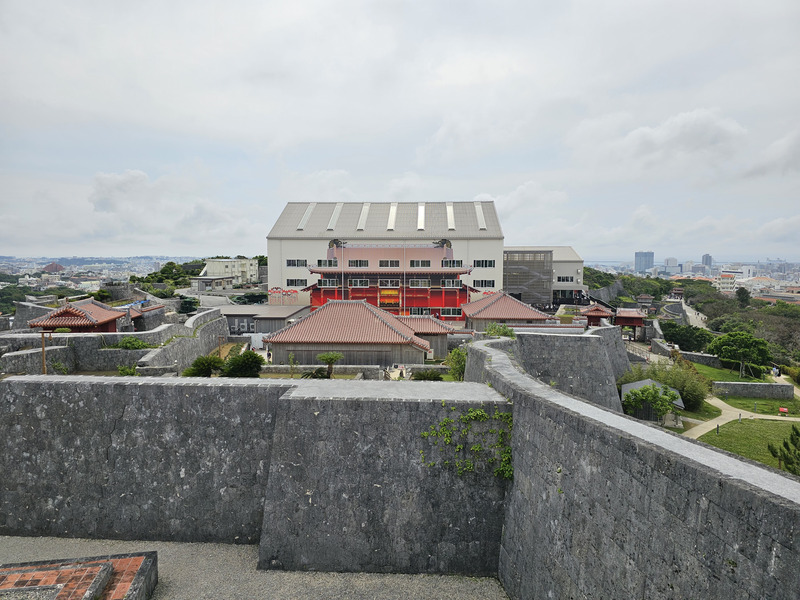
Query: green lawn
point(724, 374)
point(750, 437)
point(706, 412)
point(764, 406)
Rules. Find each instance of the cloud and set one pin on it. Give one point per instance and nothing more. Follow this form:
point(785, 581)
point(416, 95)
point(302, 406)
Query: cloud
point(700, 133)
point(329, 185)
point(780, 157)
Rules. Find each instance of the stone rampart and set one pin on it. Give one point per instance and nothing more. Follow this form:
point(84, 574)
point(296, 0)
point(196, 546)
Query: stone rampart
point(135, 457)
point(579, 365)
point(606, 506)
point(776, 391)
point(371, 372)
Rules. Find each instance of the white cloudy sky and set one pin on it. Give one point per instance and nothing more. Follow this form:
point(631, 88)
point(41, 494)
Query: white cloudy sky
point(183, 128)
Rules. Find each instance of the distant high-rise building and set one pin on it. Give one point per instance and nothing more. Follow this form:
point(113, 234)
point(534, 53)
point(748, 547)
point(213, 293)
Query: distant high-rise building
point(643, 261)
point(671, 265)
point(707, 260)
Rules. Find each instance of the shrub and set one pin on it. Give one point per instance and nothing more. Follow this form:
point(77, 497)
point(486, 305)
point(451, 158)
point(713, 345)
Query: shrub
point(682, 376)
point(62, 330)
point(499, 330)
point(132, 343)
point(660, 399)
point(246, 364)
point(204, 366)
point(318, 373)
point(427, 375)
point(126, 371)
point(788, 454)
point(457, 361)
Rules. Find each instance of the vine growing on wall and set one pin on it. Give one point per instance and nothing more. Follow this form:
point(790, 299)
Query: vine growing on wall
point(466, 440)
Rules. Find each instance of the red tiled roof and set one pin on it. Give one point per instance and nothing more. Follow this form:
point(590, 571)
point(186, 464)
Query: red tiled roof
point(502, 306)
point(598, 310)
point(630, 313)
point(348, 322)
point(84, 313)
point(426, 325)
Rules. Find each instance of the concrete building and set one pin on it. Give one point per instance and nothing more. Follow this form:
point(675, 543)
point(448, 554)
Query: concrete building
point(643, 261)
point(541, 275)
point(303, 232)
point(242, 270)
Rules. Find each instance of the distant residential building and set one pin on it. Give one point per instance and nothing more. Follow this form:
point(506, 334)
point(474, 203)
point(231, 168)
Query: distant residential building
point(304, 231)
point(707, 260)
point(643, 261)
point(241, 270)
point(671, 265)
point(52, 268)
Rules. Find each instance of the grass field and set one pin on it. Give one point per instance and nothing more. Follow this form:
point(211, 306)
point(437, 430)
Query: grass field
point(764, 406)
point(706, 412)
point(750, 438)
point(724, 374)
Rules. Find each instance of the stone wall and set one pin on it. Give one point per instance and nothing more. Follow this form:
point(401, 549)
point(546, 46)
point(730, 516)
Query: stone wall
point(777, 391)
point(708, 360)
point(603, 506)
point(579, 365)
point(331, 470)
point(608, 293)
point(135, 457)
point(348, 490)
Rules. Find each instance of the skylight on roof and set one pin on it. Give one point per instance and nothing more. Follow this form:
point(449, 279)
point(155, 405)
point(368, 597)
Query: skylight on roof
point(337, 210)
point(362, 219)
point(392, 217)
point(420, 216)
point(479, 215)
point(306, 216)
point(451, 217)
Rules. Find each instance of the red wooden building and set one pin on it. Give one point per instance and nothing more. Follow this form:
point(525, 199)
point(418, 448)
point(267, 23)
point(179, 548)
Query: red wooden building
point(84, 316)
point(595, 313)
point(400, 279)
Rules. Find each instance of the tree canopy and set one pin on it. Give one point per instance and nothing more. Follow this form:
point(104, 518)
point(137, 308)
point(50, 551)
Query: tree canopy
point(742, 347)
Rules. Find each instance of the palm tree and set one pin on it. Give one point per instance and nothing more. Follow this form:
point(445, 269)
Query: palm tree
point(330, 358)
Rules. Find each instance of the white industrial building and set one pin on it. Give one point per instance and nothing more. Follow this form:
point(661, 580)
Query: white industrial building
point(301, 236)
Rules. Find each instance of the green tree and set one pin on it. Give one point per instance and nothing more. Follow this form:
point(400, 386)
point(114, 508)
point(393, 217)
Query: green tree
point(688, 337)
point(102, 295)
point(741, 347)
point(660, 399)
point(263, 261)
point(788, 454)
point(457, 362)
point(204, 366)
point(330, 359)
point(246, 364)
point(743, 297)
point(597, 279)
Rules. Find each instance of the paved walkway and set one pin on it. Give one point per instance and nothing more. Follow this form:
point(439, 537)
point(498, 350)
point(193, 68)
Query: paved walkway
point(221, 571)
point(729, 413)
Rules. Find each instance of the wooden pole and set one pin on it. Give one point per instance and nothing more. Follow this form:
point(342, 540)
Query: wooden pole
point(44, 357)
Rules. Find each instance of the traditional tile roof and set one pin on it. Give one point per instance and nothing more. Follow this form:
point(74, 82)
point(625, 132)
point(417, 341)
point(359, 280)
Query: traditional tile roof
point(84, 313)
point(348, 322)
point(426, 324)
point(501, 306)
point(597, 310)
point(631, 313)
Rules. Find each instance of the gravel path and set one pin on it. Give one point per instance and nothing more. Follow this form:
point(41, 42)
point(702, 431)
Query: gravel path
point(220, 571)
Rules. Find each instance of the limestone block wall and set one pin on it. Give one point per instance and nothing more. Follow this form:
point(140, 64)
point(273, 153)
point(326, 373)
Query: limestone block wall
point(579, 365)
point(702, 359)
point(30, 361)
point(135, 457)
point(778, 391)
point(198, 336)
point(615, 348)
point(605, 506)
point(348, 490)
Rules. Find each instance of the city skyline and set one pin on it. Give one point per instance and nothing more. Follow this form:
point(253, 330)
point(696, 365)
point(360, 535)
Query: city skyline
point(185, 130)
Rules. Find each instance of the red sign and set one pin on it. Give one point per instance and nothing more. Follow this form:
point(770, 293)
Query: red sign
point(783, 410)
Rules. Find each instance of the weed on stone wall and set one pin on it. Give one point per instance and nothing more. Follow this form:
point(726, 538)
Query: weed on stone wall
point(471, 440)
